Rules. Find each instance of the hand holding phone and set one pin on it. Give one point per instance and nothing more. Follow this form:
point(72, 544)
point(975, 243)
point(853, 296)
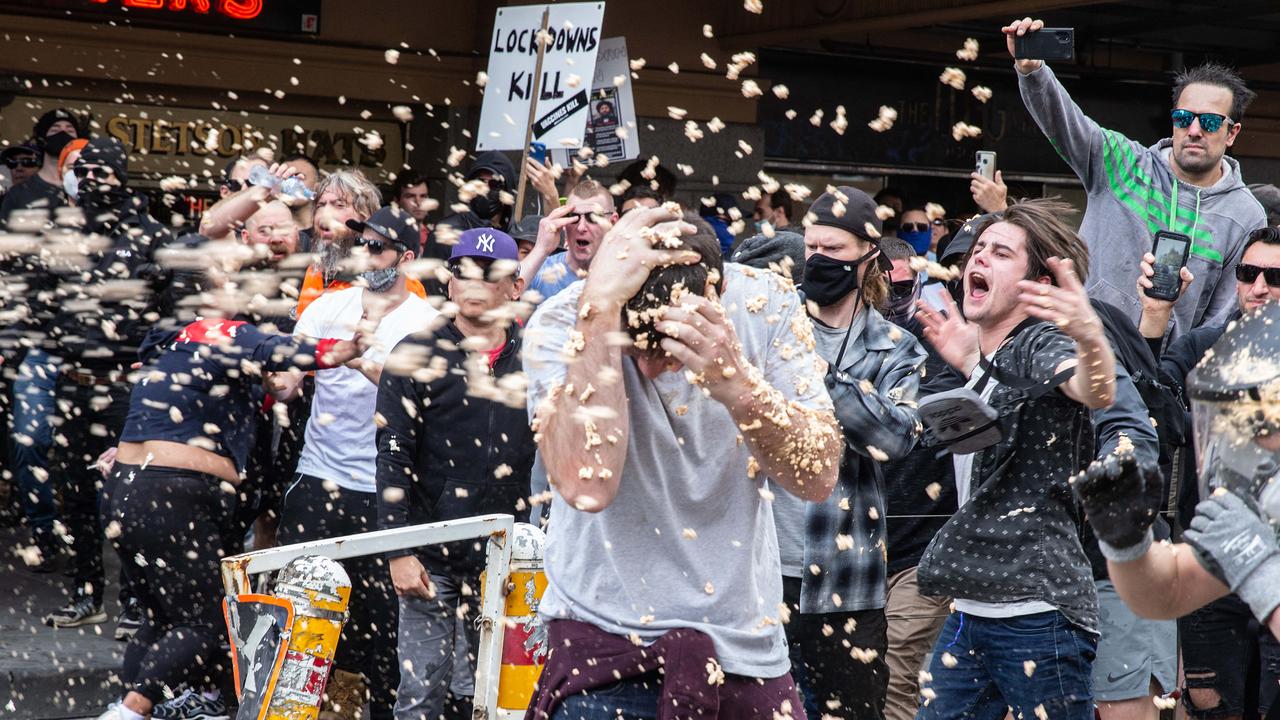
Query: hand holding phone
point(1045, 44)
point(1167, 260)
point(538, 152)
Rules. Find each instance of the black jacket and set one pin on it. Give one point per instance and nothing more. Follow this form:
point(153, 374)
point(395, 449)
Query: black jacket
point(97, 332)
point(444, 452)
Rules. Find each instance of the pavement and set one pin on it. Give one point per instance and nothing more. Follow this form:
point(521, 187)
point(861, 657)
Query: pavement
point(47, 673)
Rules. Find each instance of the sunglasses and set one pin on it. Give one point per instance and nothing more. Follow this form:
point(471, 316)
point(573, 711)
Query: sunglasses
point(914, 227)
point(591, 218)
point(86, 171)
point(235, 186)
point(26, 162)
point(1209, 122)
point(1249, 274)
point(488, 268)
point(375, 246)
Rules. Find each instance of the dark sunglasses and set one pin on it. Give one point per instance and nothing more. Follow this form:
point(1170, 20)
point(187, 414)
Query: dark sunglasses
point(235, 186)
point(914, 227)
point(591, 218)
point(1249, 274)
point(376, 246)
point(26, 162)
point(98, 172)
point(487, 267)
point(1209, 122)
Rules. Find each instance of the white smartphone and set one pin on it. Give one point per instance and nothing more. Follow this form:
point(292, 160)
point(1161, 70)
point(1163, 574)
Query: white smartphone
point(985, 163)
point(935, 296)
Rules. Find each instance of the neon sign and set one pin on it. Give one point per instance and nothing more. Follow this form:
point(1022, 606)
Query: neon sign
point(235, 9)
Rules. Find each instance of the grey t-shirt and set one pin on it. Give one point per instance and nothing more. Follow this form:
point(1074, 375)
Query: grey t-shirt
point(689, 540)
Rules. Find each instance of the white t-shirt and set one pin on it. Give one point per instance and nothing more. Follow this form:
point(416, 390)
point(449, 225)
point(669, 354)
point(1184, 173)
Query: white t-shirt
point(964, 482)
point(689, 541)
point(340, 444)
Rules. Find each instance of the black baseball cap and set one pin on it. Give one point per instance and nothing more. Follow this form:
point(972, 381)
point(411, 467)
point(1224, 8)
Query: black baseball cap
point(391, 223)
point(527, 229)
point(859, 216)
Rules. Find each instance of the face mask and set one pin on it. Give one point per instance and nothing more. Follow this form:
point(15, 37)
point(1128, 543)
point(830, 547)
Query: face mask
point(53, 144)
point(70, 184)
point(919, 240)
point(99, 199)
point(723, 234)
point(828, 281)
point(380, 280)
point(759, 225)
point(902, 300)
point(486, 206)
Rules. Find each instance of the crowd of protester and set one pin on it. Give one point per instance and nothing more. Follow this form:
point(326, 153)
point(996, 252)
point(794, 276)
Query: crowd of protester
point(723, 424)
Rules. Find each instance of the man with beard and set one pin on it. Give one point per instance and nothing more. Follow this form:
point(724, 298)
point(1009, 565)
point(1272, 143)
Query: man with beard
point(97, 321)
point(1185, 183)
point(52, 132)
point(333, 492)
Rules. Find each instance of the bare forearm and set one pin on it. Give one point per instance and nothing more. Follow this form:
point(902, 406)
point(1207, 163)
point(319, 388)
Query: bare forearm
point(532, 263)
point(219, 220)
point(1167, 582)
point(582, 427)
point(796, 446)
point(1154, 324)
point(1094, 384)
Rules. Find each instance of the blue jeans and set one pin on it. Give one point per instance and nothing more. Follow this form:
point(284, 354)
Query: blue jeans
point(33, 436)
point(630, 699)
point(992, 671)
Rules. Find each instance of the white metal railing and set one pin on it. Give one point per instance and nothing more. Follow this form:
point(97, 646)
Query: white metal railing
point(238, 569)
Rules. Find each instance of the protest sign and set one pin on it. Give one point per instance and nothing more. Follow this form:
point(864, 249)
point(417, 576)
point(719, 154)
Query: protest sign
point(611, 107)
point(568, 67)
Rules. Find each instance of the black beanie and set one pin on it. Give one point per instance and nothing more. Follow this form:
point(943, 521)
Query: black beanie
point(108, 152)
point(47, 120)
point(859, 216)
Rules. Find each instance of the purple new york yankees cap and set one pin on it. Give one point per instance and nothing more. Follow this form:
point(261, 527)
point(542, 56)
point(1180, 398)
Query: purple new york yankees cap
point(485, 243)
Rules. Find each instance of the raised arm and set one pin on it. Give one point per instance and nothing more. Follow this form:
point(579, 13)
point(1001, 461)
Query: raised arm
point(1076, 137)
point(1067, 305)
point(575, 365)
point(548, 240)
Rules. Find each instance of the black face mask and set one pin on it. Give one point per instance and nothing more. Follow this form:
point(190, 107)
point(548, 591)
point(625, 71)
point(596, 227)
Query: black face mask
point(486, 206)
point(902, 300)
point(828, 281)
point(53, 144)
point(102, 204)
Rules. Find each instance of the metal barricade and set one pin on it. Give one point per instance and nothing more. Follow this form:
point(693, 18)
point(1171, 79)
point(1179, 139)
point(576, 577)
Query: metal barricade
point(237, 579)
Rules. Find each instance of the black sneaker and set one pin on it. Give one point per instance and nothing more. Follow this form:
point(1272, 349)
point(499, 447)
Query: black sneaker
point(130, 620)
point(191, 706)
point(81, 610)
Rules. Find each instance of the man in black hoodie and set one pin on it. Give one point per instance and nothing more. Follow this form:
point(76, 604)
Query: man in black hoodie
point(490, 176)
point(456, 443)
point(108, 291)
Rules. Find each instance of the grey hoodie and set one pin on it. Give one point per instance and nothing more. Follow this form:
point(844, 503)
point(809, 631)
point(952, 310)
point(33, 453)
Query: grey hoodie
point(1132, 190)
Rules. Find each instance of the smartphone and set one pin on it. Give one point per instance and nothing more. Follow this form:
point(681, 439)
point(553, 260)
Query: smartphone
point(1046, 44)
point(984, 162)
point(1171, 250)
point(538, 152)
point(935, 296)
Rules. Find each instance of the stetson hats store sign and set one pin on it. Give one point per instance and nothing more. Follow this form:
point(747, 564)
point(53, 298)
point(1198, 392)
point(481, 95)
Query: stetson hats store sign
point(196, 144)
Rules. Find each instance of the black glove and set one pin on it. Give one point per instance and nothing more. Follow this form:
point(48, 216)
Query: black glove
point(1121, 497)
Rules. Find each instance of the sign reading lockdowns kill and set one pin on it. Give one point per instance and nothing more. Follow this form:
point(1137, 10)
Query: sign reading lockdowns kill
point(568, 68)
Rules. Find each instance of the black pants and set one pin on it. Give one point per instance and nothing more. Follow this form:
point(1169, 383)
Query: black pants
point(841, 685)
point(368, 643)
point(171, 523)
point(88, 420)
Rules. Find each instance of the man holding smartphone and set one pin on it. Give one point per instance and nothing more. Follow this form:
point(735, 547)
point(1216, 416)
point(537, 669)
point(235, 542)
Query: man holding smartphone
point(1184, 184)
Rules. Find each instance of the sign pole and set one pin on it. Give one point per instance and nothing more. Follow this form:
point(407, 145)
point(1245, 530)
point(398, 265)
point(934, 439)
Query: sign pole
point(533, 113)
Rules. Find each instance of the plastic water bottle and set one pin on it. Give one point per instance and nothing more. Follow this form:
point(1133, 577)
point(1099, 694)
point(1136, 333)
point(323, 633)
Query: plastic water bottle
point(293, 187)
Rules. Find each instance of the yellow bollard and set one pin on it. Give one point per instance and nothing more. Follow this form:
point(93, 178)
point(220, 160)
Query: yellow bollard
point(523, 636)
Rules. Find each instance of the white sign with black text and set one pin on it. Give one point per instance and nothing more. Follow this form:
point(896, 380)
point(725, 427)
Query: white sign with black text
point(568, 68)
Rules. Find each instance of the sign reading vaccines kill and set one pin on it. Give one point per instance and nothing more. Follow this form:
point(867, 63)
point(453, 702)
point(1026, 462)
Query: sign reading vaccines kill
point(568, 68)
point(611, 123)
